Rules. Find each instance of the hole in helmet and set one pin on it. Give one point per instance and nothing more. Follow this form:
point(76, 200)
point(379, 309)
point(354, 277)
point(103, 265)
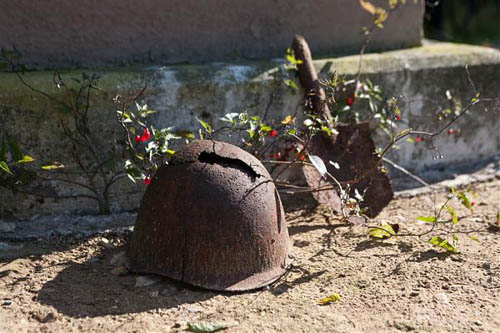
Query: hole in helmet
point(227, 162)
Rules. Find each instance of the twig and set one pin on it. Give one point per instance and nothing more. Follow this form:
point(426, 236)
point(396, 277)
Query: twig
point(406, 172)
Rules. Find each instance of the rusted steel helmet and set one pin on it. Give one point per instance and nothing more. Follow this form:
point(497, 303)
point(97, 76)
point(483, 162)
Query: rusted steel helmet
point(212, 218)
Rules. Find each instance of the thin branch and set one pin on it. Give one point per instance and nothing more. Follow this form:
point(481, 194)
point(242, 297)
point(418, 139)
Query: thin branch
point(406, 172)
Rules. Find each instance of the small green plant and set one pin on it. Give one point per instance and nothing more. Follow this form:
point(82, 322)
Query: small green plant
point(97, 168)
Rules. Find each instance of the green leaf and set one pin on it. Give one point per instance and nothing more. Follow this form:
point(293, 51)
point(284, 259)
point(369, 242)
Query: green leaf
point(326, 130)
point(53, 166)
point(133, 174)
point(474, 238)
point(184, 134)
point(15, 152)
point(410, 140)
point(329, 299)
point(384, 231)
point(26, 159)
point(429, 219)
point(131, 177)
point(442, 243)
point(453, 214)
point(462, 197)
point(5, 167)
point(205, 125)
point(208, 327)
point(291, 84)
point(170, 152)
point(498, 217)
point(291, 58)
point(148, 112)
point(265, 128)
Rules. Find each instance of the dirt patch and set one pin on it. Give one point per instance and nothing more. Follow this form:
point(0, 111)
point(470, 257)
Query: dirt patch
point(401, 284)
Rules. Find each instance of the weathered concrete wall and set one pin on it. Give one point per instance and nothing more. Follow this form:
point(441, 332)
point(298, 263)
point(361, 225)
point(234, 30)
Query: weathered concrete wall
point(60, 33)
point(421, 75)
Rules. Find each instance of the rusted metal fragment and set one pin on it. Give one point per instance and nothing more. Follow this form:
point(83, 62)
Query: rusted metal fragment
point(316, 181)
point(354, 151)
point(315, 94)
point(213, 219)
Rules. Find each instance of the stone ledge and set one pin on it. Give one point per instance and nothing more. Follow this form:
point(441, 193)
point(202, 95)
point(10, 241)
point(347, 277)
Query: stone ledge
point(212, 90)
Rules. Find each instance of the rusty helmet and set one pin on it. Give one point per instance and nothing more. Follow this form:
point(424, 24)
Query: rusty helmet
point(211, 218)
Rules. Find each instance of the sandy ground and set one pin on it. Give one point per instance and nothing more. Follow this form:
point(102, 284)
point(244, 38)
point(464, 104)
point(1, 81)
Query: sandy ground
point(399, 284)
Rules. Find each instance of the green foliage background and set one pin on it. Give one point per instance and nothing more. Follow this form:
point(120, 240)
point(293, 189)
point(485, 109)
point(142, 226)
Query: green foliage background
point(465, 21)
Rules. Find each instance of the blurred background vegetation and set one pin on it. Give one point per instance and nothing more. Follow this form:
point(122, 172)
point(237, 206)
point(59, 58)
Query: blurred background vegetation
point(464, 21)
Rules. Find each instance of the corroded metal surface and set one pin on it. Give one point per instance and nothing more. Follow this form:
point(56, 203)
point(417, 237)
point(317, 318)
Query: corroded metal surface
point(328, 197)
point(213, 219)
point(354, 151)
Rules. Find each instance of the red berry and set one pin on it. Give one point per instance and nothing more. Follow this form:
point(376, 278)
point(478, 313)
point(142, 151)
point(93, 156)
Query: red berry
point(472, 203)
point(418, 139)
point(300, 156)
point(273, 133)
point(398, 117)
point(451, 131)
point(143, 137)
point(146, 180)
point(278, 155)
point(145, 134)
point(349, 101)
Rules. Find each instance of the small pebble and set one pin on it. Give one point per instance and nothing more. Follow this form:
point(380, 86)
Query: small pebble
point(106, 243)
point(478, 322)
point(414, 294)
point(442, 298)
point(195, 308)
point(6, 302)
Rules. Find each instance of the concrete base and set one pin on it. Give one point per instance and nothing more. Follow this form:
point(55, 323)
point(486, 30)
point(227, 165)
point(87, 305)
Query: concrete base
point(72, 34)
point(421, 75)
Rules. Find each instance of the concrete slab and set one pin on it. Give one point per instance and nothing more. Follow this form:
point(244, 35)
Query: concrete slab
point(75, 34)
point(421, 75)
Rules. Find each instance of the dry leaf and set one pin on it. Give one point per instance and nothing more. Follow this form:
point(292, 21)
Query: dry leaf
point(368, 6)
point(287, 120)
point(330, 299)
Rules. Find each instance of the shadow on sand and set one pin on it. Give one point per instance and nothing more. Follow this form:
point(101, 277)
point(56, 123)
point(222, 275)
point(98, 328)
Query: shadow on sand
point(91, 290)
